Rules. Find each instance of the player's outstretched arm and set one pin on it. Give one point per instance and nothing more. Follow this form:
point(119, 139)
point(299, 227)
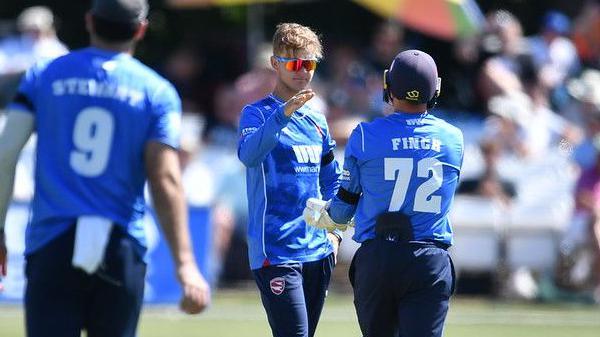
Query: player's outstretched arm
point(162, 165)
point(17, 129)
point(260, 136)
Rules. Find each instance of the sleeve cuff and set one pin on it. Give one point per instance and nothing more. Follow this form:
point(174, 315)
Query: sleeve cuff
point(339, 234)
point(281, 118)
point(171, 143)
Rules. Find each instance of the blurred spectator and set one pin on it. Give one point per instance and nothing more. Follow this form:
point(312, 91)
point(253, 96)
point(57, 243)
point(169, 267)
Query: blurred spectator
point(581, 270)
point(506, 125)
point(355, 81)
point(459, 84)
point(222, 128)
point(585, 111)
point(191, 129)
point(259, 81)
point(184, 67)
point(503, 41)
point(36, 41)
point(586, 34)
point(554, 55)
point(202, 190)
point(227, 178)
point(489, 184)
point(525, 126)
point(387, 41)
point(340, 130)
point(546, 129)
point(232, 216)
point(347, 83)
point(585, 90)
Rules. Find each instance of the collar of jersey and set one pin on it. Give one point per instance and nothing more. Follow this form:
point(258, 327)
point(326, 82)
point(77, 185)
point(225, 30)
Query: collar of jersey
point(403, 114)
point(106, 52)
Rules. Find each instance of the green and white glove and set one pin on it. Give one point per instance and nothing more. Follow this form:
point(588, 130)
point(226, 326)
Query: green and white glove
point(316, 215)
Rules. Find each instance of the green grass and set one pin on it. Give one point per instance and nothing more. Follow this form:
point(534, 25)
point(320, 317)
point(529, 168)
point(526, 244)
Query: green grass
point(240, 314)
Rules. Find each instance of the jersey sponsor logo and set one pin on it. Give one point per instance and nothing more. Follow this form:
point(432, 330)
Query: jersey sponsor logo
point(345, 175)
point(247, 131)
point(307, 153)
point(307, 169)
point(277, 285)
point(416, 143)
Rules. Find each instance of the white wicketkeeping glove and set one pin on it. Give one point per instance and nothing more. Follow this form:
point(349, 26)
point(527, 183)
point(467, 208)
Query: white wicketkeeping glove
point(316, 215)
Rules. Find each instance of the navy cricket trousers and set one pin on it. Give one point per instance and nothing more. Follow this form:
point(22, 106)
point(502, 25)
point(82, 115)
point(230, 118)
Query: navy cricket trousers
point(61, 301)
point(293, 295)
point(401, 289)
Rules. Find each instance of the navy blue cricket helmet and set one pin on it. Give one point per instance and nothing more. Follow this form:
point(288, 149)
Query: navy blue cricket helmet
point(413, 77)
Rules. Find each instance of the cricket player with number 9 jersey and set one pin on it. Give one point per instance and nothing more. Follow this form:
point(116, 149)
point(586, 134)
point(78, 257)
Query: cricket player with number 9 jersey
point(288, 151)
point(399, 178)
point(105, 124)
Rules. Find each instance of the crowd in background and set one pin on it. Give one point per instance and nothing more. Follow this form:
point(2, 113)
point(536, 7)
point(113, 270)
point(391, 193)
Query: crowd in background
point(522, 101)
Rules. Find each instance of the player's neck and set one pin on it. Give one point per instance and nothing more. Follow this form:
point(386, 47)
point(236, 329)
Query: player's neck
point(404, 106)
point(283, 91)
point(120, 47)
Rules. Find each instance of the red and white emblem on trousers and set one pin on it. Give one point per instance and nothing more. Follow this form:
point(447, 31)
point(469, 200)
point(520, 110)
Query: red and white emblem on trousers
point(277, 285)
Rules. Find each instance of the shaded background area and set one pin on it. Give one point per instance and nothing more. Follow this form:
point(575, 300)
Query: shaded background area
point(220, 35)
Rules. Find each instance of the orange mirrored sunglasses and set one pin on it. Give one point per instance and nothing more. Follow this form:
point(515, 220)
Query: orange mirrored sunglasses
point(295, 64)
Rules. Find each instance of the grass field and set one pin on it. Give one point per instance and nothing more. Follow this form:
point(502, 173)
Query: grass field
point(240, 314)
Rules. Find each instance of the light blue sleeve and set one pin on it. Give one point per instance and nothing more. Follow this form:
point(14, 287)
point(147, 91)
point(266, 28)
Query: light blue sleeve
point(259, 136)
point(340, 210)
point(166, 111)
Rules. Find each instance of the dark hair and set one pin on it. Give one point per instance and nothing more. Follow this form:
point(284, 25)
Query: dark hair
point(114, 31)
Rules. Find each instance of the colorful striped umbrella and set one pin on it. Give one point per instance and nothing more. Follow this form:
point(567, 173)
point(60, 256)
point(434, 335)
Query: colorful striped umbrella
point(204, 3)
point(446, 19)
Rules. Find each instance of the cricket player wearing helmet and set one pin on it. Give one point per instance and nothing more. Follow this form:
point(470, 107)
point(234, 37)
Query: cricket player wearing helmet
point(399, 179)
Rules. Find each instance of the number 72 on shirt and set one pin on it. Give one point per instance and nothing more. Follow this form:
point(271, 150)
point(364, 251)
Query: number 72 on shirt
point(401, 170)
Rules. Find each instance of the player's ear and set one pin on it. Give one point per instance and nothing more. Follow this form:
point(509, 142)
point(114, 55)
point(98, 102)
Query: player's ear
point(141, 30)
point(274, 63)
point(392, 98)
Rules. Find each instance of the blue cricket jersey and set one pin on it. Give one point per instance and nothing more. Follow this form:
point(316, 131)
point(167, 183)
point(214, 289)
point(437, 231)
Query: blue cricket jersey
point(288, 160)
point(404, 162)
point(94, 110)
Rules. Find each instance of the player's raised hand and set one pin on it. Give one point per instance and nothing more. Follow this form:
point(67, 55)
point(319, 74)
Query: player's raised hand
point(297, 101)
point(196, 292)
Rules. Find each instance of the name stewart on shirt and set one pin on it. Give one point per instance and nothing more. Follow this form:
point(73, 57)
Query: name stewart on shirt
point(93, 88)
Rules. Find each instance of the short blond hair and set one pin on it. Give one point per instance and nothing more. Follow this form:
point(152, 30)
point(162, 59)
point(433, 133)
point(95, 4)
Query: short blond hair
point(293, 37)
